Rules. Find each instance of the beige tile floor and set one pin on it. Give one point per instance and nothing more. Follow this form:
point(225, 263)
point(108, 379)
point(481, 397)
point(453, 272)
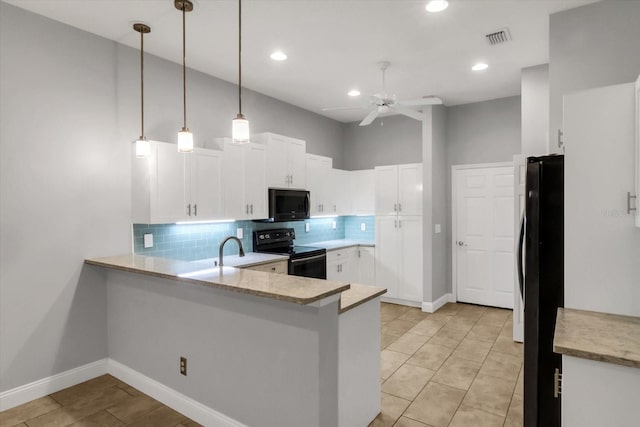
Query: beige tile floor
point(456, 367)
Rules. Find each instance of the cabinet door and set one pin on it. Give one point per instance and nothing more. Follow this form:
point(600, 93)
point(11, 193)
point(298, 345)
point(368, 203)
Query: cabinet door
point(410, 260)
point(333, 270)
point(637, 116)
point(366, 265)
point(235, 205)
point(349, 269)
point(278, 267)
point(386, 187)
point(387, 254)
point(362, 192)
point(297, 163)
point(255, 181)
point(169, 203)
point(206, 185)
point(318, 168)
point(410, 189)
point(340, 202)
point(277, 167)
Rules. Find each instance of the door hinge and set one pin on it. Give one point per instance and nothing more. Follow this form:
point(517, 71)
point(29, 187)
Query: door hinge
point(557, 383)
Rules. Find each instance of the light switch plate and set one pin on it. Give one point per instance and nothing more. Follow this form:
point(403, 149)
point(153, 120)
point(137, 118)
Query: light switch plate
point(239, 233)
point(306, 227)
point(438, 229)
point(363, 227)
point(148, 241)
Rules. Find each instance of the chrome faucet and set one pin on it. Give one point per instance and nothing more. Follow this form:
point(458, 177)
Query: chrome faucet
point(222, 247)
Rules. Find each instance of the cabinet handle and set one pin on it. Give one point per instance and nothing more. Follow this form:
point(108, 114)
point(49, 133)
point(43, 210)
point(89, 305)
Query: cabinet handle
point(321, 208)
point(195, 210)
point(395, 207)
point(629, 208)
point(291, 182)
point(273, 269)
point(189, 209)
point(246, 209)
point(399, 223)
point(395, 223)
point(252, 208)
point(334, 208)
point(399, 207)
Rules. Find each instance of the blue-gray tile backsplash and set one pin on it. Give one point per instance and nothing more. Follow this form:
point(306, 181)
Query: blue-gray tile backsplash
point(190, 242)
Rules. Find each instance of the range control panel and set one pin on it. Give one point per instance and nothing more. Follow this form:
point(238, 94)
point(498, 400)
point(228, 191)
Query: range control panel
point(268, 237)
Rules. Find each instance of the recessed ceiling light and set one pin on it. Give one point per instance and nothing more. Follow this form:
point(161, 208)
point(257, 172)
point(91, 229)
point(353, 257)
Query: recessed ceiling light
point(437, 6)
point(278, 56)
point(354, 92)
point(480, 66)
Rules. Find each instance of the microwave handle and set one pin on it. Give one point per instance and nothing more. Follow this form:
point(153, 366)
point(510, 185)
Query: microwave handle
point(307, 202)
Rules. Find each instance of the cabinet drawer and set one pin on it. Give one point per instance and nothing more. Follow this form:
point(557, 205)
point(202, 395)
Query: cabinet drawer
point(341, 254)
point(278, 267)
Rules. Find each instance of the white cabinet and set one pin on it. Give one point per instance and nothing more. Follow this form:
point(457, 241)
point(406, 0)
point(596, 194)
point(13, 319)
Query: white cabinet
point(637, 116)
point(342, 265)
point(245, 189)
point(286, 160)
point(318, 174)
point(399, 257)
point(366, 265)
point(339, 192)
point(172, 186)
point(277, 267)
point(363, 192)
point(398, 189)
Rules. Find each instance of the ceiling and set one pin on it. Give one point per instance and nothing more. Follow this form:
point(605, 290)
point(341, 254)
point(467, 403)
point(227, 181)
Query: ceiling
point(334, 46)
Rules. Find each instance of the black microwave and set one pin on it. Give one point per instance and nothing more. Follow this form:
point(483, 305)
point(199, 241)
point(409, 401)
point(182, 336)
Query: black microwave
point(288, 205)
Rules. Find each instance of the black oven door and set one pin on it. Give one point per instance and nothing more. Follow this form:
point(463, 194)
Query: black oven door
point(314, 266)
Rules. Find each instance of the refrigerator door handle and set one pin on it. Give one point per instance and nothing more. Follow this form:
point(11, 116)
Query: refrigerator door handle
point(520, 258)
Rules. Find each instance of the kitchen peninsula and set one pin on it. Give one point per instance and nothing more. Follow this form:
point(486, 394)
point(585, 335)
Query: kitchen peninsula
point(261, 349)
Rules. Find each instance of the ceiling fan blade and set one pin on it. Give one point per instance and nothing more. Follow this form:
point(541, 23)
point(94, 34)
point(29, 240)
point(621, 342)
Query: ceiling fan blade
point(359, 107)
point(370, 118)
point(408, 112)
point(431, 100)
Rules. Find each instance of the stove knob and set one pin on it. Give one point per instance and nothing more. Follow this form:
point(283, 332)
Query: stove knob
point(267, 236)
point(262, 237)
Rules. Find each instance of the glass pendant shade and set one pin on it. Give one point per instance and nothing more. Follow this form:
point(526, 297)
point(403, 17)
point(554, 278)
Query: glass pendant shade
point(240, 130)
point(143, 148)
point(185, 141)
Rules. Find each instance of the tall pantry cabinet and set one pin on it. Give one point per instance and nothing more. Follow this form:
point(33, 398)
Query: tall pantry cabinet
point(399, 232)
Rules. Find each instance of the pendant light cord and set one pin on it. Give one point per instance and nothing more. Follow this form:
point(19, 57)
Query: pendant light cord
point(141, 84)
point(184, 65)
point(240, 57)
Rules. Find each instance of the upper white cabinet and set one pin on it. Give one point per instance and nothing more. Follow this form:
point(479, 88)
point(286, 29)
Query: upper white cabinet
point(245, 189)
point(318, 174)
point(339, 192)
point(363, 192)
point(172, 186)
point(286, 160)
point(398, 189)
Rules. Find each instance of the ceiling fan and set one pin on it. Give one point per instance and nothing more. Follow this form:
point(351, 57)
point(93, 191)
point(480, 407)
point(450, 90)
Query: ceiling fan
point(382, 103)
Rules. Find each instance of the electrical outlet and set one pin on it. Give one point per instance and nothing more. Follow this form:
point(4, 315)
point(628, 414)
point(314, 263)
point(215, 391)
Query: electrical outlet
point(148, 241)
point(239, 233)
point(363, 227)
point(306, 227)
point(438, 229)
point(183, 365)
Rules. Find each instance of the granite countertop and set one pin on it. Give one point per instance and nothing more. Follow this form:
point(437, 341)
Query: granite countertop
point(598, 336)
point(331, 245)
point(250, 259)
point(358, 294)
point(299, 290)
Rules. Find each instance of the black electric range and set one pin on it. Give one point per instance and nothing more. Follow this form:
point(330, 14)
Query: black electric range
point(305, 261)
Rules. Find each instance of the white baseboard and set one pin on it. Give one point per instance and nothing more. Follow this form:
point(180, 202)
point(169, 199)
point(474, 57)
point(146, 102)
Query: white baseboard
point(432, 307)
point(40, 388)
point(400, 301)
point(175, 400)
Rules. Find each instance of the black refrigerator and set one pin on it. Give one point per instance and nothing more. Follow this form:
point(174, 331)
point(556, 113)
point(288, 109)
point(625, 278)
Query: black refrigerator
point(541, 273)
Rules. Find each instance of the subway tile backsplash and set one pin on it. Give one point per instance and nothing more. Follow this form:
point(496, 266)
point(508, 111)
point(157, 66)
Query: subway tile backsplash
point(190, 242)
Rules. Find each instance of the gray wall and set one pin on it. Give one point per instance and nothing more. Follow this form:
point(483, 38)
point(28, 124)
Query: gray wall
point(591, 46)
point(534, 90)
point(483, 132)
point(69, 111)
point(387, 141)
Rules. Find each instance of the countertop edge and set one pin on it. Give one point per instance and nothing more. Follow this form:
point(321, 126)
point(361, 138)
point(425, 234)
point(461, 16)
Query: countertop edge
point(278, 297)
point(597, 357)
point(375, 294)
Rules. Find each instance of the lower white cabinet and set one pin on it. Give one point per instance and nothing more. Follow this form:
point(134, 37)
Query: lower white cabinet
point(399, 257)
point(172, 186)
point(278, 267)
point(367, 265)
point(342, 265)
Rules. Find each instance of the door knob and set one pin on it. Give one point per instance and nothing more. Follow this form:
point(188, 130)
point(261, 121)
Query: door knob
point(461, 243)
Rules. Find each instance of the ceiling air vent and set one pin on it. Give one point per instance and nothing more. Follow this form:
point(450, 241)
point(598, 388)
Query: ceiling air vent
point(499, 37)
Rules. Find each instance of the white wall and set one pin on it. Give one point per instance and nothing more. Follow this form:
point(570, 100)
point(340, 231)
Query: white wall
point(591, 46)
point(69, 110)
point(535, 110)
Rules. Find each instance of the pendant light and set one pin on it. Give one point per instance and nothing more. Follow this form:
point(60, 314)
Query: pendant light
point(143, 149)
point(240, 125)
point(185, 138)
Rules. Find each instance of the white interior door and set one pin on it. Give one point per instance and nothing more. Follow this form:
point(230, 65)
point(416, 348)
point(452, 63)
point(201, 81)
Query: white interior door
point(484, 235)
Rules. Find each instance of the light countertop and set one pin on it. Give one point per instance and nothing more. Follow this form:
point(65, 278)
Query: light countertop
point(598, 336)
point(299, 290)
point(358, 294)
point(250, 259)
point(340, 244)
